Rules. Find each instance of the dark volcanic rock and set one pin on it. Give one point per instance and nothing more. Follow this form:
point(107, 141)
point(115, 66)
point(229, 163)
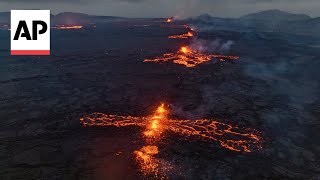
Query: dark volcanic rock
point(273, 88)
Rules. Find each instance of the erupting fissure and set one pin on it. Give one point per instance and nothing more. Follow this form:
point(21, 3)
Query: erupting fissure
point(228, 136)
point(182, 36)
point(155, 123)
point(186, 56)
point(189, 58)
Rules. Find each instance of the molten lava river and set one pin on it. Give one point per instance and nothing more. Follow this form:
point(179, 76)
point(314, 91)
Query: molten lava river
point(189, 58)
point(182, 36)
point(228, 136)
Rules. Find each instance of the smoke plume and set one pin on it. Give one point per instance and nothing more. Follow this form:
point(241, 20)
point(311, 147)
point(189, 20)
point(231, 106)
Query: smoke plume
point(216, 46)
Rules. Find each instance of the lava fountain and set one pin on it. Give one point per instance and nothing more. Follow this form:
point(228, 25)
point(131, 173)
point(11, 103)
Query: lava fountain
point(189, 58)
point(155, 124)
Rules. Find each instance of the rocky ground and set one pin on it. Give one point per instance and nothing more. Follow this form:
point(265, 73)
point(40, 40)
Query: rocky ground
point(273, 87)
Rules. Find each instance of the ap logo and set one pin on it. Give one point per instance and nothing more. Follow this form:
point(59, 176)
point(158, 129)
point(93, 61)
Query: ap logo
point(30, 32)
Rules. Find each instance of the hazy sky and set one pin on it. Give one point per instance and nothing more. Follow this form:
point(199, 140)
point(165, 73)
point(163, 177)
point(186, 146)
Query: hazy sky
point(164, 8)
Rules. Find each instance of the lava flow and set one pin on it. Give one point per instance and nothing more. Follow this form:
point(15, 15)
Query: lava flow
point(189, 58)
point(67, 27)
point(155, 125)
point(182, 36)
point(228, 136)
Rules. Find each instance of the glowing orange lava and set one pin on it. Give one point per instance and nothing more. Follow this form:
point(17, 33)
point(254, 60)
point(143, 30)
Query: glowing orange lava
point(155, 123)
point(228, 136)
point(169, 20)
point(189, 58)
point(185, 50)
point(182, 36)
point(148, 164)
point(67, 27)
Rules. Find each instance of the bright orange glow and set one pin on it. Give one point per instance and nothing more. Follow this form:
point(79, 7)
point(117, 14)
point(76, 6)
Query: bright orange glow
point(145, 159)
point(169, 20)
point(228, 136)
point(189, 58)
point(182, 36)
point(185, 50)
point(67, 27)
point(155, 123)
point(148, 164)
point(161, 109)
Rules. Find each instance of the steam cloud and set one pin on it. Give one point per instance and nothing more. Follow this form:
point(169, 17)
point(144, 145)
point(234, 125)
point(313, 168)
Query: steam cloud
point(216, 46)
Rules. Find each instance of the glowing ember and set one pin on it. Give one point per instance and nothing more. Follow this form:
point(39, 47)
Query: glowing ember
point(169, 20)
point(67, 27)
point(189, 58)
point(182, 36)
point(228, 136)
point(148, 164)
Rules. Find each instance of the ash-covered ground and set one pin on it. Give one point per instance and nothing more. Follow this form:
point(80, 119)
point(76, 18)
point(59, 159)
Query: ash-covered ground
point(273, 87)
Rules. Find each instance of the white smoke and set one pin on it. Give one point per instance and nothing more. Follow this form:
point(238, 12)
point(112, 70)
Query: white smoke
point(215, 46)
point(198, 112)
point(226, 46)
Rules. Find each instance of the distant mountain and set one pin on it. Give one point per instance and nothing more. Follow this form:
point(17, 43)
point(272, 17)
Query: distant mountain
point(273, 20)
point(266, 21)
point(203, 17)
point(275, 15)
point(68, 18)
point(270, 21)
point(308, 27)
point(207, 22)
